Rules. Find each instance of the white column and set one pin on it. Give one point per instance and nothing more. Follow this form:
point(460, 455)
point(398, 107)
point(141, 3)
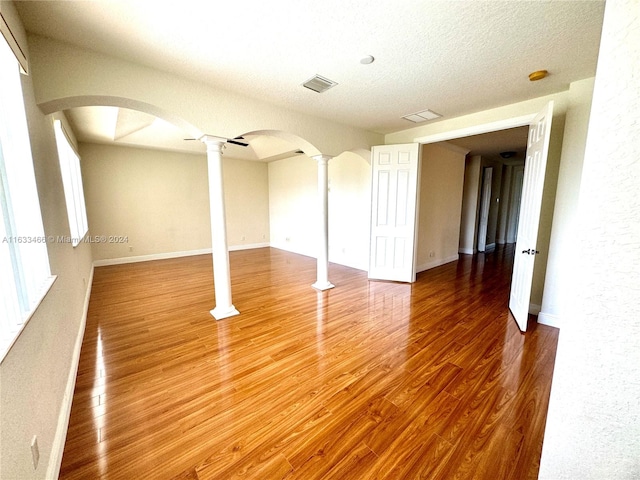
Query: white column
point(221, 272)
point(322, 280)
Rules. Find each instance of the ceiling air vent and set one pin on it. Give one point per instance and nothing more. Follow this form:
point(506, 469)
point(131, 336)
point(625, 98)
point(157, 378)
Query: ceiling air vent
point(422, 116)
point(319, 84)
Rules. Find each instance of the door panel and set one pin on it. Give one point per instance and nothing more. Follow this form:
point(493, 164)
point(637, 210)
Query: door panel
point(529, 219)
point(394, 212)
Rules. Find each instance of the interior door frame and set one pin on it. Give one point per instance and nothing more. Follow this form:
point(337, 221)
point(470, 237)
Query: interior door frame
point(485, 206)
point(521, 121)
point(524, 120)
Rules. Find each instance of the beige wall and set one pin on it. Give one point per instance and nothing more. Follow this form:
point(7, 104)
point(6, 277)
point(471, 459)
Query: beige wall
point(293, 193)
point(441, 188)
point(562, 258)
point(593, 423)
point(293, 207)
point(35, 374)
point(470, 204)
point(159, 201)
point(349, 210)
point(246, 194)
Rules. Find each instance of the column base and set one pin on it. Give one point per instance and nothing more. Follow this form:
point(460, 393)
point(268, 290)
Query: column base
point(323, 285)
point(219, 313)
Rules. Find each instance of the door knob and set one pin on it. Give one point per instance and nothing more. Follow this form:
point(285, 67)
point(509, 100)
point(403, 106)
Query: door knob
point(530, 251)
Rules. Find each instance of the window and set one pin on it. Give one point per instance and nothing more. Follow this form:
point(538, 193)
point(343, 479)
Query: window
point(24, 265)
point(72, 182)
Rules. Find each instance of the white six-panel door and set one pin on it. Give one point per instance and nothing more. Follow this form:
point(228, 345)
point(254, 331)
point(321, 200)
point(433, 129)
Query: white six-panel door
point(394, 208)
point(532, 188)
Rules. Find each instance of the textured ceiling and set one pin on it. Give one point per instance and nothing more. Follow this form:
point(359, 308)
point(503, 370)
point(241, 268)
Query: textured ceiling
point(453, 57)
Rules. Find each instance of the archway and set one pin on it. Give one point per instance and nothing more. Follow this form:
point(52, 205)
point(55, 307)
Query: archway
point(292, 144)
point(222, 284)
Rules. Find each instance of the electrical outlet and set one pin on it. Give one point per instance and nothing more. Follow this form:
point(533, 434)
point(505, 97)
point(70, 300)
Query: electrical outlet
point(243, 238)
point(432, 254)
point(35, 452)
point(130, 248)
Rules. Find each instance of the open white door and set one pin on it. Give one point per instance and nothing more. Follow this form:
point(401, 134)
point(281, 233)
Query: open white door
point(533, 183)
point(485, 206)
point(394, 208)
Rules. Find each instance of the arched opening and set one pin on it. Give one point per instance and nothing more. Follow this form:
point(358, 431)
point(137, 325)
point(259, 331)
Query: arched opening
point(147, 182)
point(74, 102)
point(143, 181)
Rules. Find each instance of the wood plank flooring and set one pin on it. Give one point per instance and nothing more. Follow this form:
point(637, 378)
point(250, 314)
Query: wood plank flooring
point(370, 380)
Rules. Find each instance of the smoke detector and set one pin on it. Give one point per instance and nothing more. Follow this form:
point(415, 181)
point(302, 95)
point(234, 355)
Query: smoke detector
point(538, 75)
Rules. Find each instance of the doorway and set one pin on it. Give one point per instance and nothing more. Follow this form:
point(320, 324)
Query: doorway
point(494, 171)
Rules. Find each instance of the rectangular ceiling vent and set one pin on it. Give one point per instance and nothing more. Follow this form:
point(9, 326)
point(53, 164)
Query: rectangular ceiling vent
point(422, 116)
point(319, 84)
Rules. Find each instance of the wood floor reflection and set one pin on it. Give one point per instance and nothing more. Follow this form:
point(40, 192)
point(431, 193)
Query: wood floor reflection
point(368, 380)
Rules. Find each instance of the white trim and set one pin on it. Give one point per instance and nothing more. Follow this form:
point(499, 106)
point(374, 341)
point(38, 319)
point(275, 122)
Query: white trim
point(250, 246)
point(323, 286)
point(287, 248)
point(549, 319)
point(10, 19)
point(220, 314)
point(466, 251)
point(57, 449)
point(534, 309)
point(164, 256)
point(48, 283)
point(437, 263)
point(347, 263)
point(477, 129)
point(148, 258)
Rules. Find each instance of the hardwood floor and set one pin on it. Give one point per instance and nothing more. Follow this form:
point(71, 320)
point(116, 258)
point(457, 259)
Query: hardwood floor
point(368, 380)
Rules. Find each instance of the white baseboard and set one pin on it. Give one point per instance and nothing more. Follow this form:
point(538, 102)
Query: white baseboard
point(549, 319)
point(287, 248)
point(57, 448)
point(436, 263)
point(347, 263)
point(534, 309)
point(332, 259)
point(164, 256)
point(466, 251)
point(251, 246)
point(148, 258)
